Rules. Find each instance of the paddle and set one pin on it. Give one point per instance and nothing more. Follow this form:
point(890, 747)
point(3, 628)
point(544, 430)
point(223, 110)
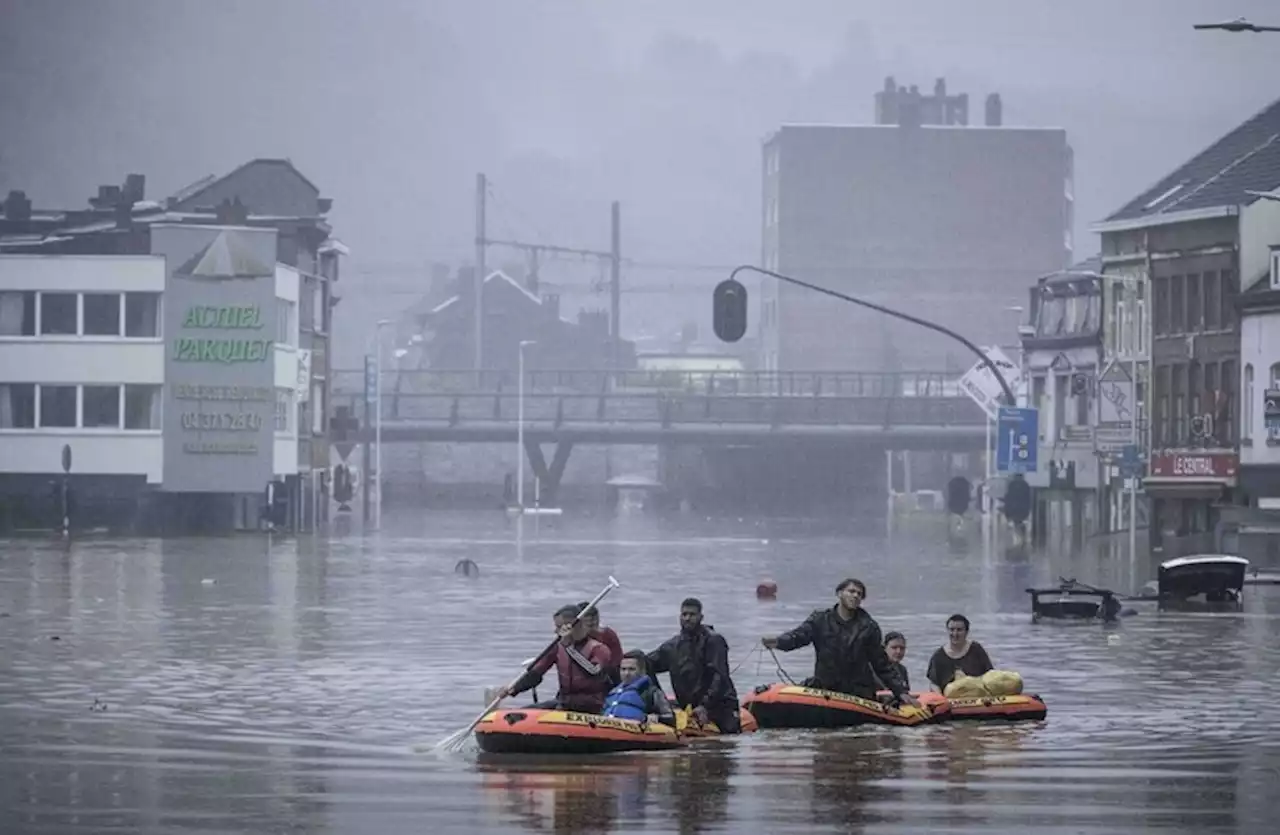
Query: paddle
point(457, 739)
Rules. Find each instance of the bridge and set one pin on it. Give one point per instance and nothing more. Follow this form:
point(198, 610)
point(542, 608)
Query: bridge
point(906, 410)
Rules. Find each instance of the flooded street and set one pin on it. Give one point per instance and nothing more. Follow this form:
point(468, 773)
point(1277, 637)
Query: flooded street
point(233, 685)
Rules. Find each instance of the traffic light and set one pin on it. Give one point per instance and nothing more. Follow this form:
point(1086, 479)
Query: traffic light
point(1017, 500)
point(958, 492)
point(729, 310)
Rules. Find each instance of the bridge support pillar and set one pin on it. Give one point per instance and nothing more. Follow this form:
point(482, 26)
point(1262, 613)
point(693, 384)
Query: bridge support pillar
point(548, 477)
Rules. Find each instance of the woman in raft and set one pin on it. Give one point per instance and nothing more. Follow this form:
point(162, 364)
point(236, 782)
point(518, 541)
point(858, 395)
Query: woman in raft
point(959, 656)
point(895, 647)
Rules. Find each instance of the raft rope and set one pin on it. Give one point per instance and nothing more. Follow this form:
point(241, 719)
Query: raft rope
point(785, 675)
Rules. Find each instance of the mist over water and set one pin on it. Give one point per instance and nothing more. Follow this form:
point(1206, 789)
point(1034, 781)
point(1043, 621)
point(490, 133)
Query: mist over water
point(230, 685)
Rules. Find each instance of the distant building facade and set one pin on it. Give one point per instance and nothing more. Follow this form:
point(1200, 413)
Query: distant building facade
point(919, 211)
point(1258, 520)
point(101, 294)
point(1186, 246)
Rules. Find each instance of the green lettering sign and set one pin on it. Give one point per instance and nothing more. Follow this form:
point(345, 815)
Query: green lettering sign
point(227, 351)
point(227, 318)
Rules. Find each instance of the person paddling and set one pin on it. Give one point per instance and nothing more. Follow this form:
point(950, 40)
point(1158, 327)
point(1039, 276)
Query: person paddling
point(849, 653)
point(581, 663)
point(959, 656)
point(606, 636)
point(638, 696)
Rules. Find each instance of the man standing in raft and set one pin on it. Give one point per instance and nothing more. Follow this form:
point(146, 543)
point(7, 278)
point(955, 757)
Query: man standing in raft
point(849, 653)
point(697, 660)
point(581, 662)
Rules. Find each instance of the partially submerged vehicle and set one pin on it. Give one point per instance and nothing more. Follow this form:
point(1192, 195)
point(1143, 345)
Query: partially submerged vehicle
point(1073, 600)
point(1217, 578)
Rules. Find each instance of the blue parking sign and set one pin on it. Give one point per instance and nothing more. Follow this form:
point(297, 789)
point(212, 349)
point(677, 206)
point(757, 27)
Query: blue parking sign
point(370, 380)
point(1017, 430)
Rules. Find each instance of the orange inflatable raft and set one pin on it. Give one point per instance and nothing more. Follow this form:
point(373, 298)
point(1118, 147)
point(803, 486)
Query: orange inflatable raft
point(793, 706)
point(1023, 707)
point(693, 730)
point(532, 731)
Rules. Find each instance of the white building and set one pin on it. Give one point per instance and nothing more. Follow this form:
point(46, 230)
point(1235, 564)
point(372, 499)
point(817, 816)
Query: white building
point(83, 364)
point(1259, 523)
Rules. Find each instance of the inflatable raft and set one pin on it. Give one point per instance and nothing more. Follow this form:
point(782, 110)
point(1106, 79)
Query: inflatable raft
point(532, 731)
point(793, 706)
point(1022, 707)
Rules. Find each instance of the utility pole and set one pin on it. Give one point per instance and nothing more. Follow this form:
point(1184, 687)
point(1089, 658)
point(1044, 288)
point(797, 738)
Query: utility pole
point(615, 291)
point(482, 186)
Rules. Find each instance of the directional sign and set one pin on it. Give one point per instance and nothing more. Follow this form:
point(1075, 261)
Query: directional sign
point(1130, 461)
point(1271, 411)
point(370, 380)
point(982, 386)
point(1017, 430)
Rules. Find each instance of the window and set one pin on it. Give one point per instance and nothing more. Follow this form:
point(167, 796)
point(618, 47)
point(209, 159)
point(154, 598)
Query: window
point(142, 315)
point(101, 407)
point(284, 409)
point(1177, 312)
point(1224, 409)
point(285, 313)
point(1162, 431)
point(1246, 413)
point(58, 314)
point(18, 313)
point(1178, 387)
point(1193, 304)
point(102, 314)
point(17, 406)
point(317, 409)
point(1227, 292)
point(142, 407)
point(307, 307)
point(58, 407)
point(1161, 291)
point(1212, 301)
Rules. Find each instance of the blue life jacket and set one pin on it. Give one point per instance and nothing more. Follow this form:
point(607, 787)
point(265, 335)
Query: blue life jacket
point(626, 701)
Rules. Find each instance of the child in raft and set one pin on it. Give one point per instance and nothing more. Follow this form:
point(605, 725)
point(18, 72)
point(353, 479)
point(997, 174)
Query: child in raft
point(895, 646)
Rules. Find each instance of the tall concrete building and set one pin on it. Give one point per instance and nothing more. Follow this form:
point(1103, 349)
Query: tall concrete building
point(920, 212)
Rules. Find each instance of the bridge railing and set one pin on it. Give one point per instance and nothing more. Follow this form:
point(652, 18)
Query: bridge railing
point(720, 383)
point(543, 410)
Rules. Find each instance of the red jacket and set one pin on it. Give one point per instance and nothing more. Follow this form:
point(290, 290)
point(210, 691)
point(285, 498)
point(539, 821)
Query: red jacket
point(583, 670)
point(610, 639)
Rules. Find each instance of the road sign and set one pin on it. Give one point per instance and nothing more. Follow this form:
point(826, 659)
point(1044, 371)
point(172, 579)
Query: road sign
point(982, 386)
point(1271, 411)
point(370, 380)
point(1130, 461)
point(1017, 431)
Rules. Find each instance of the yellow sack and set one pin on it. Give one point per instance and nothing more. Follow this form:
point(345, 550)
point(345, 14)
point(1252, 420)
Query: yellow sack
point(1002, 683)
point(966, 687)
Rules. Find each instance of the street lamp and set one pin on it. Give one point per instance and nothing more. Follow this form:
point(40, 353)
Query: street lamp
point(377, 419)
point(520, 425)
point(1237, 25)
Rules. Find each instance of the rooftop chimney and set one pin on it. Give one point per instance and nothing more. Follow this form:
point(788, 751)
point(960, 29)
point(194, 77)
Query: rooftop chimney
point(17, 207)
point(108, 197)
point(232, 213)
point(135, 188)
point(994, 111)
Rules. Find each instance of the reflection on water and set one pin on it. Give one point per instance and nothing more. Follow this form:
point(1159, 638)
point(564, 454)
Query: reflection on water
point(241, 685)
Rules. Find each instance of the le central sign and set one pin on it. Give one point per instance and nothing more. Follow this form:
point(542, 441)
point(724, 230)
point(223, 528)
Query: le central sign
point(1194, 465)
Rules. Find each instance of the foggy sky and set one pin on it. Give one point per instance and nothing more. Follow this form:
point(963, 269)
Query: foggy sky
point(392, 106)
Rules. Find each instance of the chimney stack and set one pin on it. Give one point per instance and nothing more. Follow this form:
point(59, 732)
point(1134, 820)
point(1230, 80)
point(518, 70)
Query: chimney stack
point(135, 188)
point(995, 116)
point(17, 208)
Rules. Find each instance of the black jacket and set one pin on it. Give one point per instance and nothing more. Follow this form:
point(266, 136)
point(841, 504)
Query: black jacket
point(698, 664)
point(849, 654)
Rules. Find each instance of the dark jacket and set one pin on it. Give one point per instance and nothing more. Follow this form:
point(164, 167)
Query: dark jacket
point(849, 654)
point(698, 663)
point(583, 670)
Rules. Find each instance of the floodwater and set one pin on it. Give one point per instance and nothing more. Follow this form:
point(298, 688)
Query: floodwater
point(236, 685)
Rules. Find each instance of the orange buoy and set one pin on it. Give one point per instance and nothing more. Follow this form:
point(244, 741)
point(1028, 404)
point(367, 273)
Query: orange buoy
point(767, 590)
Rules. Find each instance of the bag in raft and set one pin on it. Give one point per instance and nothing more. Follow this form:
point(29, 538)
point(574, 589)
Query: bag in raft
point(966, 687)
point(1002, 683)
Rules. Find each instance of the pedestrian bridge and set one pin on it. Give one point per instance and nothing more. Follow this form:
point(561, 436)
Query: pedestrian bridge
point(908, 410)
